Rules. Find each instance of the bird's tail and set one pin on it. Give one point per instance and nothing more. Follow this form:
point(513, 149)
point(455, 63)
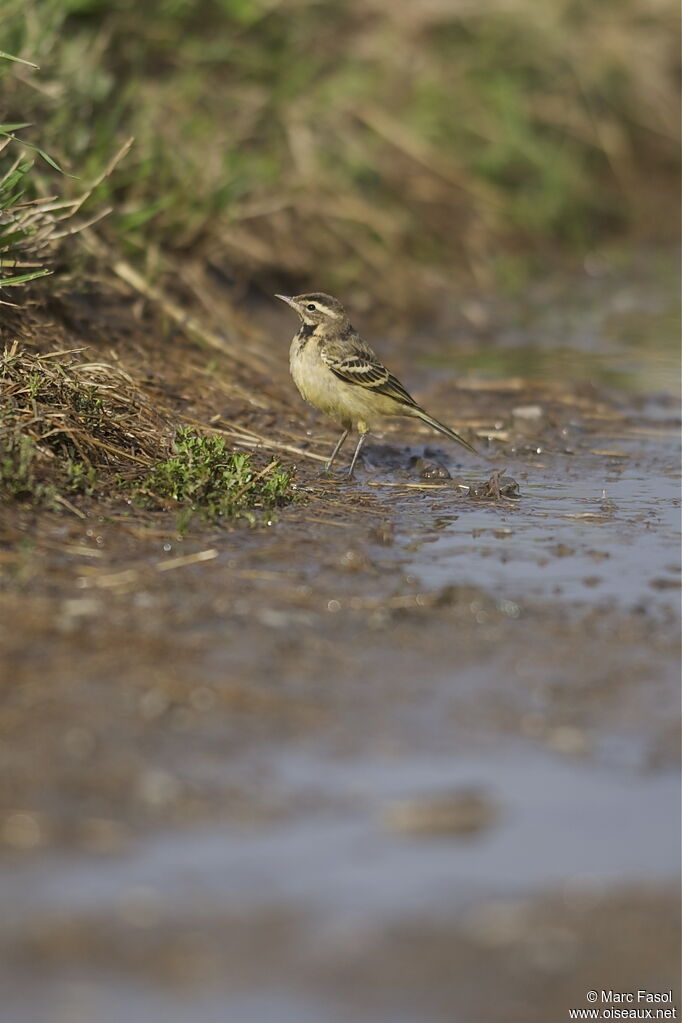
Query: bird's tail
point(426, 418)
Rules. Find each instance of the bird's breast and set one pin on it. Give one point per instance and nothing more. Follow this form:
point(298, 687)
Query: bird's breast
point(314, 380)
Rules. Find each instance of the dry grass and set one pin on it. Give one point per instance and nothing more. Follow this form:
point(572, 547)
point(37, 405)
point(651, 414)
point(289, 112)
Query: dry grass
point(71, 425)
point(34, 228)
point(71, 430)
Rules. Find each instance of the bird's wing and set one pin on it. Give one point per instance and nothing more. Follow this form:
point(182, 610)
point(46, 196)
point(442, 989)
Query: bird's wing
point(356, 363)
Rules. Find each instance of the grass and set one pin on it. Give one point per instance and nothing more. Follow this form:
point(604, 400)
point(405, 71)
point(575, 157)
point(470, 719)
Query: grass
point(24, 232)
point(26, 228)
point(35, 225)
point(331, 143)
point(70, 428)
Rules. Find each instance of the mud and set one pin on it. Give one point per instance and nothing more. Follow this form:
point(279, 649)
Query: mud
point(410, 752)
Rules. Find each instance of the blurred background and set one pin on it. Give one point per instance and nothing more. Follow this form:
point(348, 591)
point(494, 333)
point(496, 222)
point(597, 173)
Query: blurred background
point(398, 145)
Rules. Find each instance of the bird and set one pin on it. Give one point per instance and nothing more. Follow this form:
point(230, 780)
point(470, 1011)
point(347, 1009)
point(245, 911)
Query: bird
point(337, 372)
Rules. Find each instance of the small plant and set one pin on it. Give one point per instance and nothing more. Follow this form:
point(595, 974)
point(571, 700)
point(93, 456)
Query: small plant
point(28, 477)
point(79, 478)
point(18, 478)
point(201, 475)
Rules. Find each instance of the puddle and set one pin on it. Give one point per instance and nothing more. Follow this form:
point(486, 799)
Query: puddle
point(346, 877)
point(590, 527)
point(558, 822)
point(575, 535)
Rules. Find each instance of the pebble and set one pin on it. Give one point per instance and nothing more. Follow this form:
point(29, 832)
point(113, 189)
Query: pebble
point(462, 812)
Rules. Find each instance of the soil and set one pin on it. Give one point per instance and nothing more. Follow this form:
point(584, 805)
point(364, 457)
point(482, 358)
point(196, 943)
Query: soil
point(408, 752)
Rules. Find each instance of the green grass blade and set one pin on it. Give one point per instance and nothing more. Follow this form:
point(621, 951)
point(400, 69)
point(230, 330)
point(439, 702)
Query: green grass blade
point(18, 60)
point(36, 149)
point(8, 282)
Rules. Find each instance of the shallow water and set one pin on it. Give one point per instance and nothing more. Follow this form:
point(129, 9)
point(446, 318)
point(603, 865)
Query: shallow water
point(558, 822)
point(346, 876)
point(603, 525)
point(578, 534)
point(618, 326)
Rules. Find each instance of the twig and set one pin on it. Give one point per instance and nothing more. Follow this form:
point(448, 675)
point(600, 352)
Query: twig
point(71, 507)
point(186, 559)
point(254, 479)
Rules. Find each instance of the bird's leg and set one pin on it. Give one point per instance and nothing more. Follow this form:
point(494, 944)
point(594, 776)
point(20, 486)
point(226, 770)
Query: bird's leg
point(339, 445)
point(361, 441)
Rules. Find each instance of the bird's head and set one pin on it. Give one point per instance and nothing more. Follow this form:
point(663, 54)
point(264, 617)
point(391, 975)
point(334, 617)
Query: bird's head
point(317, 308)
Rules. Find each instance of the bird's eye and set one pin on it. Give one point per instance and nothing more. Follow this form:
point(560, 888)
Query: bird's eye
point(311, 306)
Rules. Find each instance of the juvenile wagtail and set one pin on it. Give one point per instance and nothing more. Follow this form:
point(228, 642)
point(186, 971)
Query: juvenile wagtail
point(339, 374)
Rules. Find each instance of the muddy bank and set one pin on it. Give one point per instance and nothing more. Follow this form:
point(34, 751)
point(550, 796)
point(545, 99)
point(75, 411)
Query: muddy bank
point(338, 766)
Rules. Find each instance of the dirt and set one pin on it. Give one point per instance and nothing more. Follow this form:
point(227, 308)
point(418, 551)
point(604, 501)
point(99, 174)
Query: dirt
point(409, 752)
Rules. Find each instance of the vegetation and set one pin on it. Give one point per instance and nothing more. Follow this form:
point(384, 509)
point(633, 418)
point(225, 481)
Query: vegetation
point(33, 224)
point(21, 229)
point(201, 475)
point(18, 477)
point(377, 142)
point(69, 428)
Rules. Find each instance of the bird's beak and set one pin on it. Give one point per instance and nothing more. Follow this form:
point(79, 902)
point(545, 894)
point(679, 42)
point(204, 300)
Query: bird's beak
point(288, 299)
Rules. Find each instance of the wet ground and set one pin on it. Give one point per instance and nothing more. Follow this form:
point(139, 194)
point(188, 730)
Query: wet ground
point(409, 754)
